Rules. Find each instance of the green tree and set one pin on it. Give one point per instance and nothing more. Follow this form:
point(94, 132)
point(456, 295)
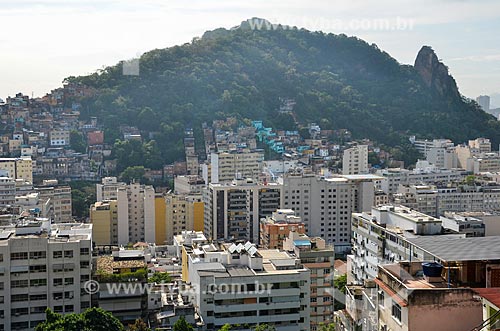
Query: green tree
point(133, 173)
point(160, 278)
point(182, 325)
point(326, 327)
point(264, 327)
point(139, 325)
point(93, 319)
point(77, 142)
point(340, 283)
point(83, 194)
point(225, 327)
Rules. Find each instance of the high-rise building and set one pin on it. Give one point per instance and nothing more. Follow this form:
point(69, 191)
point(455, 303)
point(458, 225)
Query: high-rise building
point(136, 214)
point(104, 219)
point(108, 189)
point(325, 204)
point(234, 210)
point(182, 213)
point(484, 102)
point(43, 266)
point(240, 284)
point(319, 258)
point(226, 166)
point(355, 160)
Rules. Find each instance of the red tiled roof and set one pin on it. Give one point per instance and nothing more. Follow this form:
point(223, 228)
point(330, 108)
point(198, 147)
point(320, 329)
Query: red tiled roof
point(492, 294)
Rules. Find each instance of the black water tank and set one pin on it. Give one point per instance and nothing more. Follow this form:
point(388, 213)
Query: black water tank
point(432, 269)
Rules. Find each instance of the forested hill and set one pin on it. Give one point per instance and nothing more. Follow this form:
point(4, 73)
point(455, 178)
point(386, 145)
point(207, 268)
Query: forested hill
point(336, 81)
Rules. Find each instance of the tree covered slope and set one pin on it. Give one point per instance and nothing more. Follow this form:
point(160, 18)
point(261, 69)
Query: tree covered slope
point(336, 81)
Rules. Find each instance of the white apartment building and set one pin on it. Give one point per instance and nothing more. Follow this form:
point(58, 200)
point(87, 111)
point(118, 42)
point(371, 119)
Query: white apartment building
point(108, 189)
point(136, 214)
point(239, 284)
point(325, 204)
point(424, 145)
point(225, 166)
point(355, 160)
point(234, 210)
point(42, 266)
point(382, 236)
point(7, 191)
point(392, 177)
point(435, 201)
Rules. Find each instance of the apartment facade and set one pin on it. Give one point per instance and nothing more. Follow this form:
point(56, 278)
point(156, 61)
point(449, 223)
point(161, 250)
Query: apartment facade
point(18, 168)
point(275, 229)
point(234, 210)
point(136, 214)
point(108, 189)
point(319, 258)
point(239, 284)
point(43, 266)
point(355, 160)
point(225, 166)
point(7, 191)
point(183, 213)
point(104, 219)
point(325, 204)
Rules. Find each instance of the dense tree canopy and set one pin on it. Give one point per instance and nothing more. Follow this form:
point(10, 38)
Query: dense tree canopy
point(93, 319)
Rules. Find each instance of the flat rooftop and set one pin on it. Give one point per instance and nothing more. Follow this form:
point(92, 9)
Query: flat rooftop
point(452, 248)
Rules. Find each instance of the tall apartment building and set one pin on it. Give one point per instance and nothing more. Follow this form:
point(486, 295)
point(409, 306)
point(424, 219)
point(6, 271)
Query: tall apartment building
point(234, 210)
point(239, 284)
point(355, 160)
point(104, 219)
point(384, 236)
point(136, 214)
point(43, 266)
point(18, 168)
point(424, 145)
point(58, 200)
point(183, 213)
point(108, 189)
point(225, 166)
point(7, 191)
point(319, 258)
point(275, 229)
point(325, 204)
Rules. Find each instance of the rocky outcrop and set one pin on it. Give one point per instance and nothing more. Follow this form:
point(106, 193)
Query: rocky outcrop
point(435, 74)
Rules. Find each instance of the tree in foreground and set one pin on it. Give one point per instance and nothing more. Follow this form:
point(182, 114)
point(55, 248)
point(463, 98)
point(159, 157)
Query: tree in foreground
point(264, 327)
point(139, 325)
point(93, 319)
point(182, 325)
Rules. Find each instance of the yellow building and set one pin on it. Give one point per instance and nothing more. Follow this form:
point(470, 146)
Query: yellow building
point(183, 212)
point(104, 217)
point(160, 220)
point(18, 168)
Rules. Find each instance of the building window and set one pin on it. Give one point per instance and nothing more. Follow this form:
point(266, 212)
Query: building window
point(19, 256)
point(84, 251)
point(57, 254)
point(68, 254)
point(396, 311)
point(381, 299)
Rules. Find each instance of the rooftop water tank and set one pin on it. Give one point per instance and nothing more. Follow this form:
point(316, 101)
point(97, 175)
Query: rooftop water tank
point(432, 269)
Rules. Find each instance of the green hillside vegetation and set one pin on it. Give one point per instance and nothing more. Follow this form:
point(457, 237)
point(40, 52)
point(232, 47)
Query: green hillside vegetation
point(336, 81)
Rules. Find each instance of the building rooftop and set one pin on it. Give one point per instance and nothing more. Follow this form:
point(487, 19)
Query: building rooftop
point(452, 248)
point(490, 294)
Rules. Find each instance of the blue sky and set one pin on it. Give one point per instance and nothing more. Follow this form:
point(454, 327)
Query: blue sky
point(41, 42)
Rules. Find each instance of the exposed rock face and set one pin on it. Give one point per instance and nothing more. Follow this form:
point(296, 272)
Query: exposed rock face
point(435, 74)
